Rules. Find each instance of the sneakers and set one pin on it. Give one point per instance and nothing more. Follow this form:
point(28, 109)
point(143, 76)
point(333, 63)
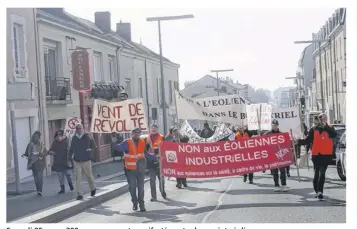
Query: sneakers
point(153, 199)
point(62, 190)
point(277, 189)
point(179, 186)
point(93, 192)
point(320, 196)
point(250, 182)
point(39, 193)
point(79, 197)
point(185, 185)
point(164, 195)
point(142, 209)
point(284, 188)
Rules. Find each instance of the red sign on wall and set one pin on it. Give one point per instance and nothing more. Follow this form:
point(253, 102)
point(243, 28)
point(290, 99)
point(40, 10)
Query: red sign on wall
point(80, 71)
point(224, 159)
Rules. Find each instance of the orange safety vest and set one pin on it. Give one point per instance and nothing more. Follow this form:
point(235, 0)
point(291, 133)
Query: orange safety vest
point(135, 152)
point(240, 136)
point(154, 145)
point(322, 144)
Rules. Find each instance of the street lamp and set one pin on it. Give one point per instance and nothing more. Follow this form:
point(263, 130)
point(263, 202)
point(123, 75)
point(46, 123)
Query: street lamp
point(159, 19)
point(218, 71)
point(320, 65)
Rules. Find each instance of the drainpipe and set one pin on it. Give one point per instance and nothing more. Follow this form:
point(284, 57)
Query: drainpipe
point(332, 85)
point(147, 92)
point(336, 85)
point(42, 119)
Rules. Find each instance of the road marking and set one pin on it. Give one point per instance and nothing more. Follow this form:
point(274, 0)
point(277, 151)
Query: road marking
point(219, 203)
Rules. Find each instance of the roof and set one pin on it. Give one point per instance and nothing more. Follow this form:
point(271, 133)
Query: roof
point(58, 15)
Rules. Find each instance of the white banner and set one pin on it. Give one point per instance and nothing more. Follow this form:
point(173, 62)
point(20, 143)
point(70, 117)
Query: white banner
point(288, 118)
point(119, 117)
point(225, 109)
point(256, 112)
point(70, 127)
point(222, 131)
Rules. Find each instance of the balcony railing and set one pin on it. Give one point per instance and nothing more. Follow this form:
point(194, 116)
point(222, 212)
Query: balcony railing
point(58, 88)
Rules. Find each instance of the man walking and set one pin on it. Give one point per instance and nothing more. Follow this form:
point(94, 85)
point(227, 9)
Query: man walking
point(134, 166)
point(275, 172)
point(81, 150)
point(153, 142)
point(244, 134)
point(320, 138)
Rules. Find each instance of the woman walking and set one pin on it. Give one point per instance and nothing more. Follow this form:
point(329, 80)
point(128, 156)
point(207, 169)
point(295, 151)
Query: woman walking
point(61, 163)
point(36, 160)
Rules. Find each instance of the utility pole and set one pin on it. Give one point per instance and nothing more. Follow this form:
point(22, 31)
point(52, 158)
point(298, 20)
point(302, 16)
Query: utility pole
point(163, 100)
point(217, 72)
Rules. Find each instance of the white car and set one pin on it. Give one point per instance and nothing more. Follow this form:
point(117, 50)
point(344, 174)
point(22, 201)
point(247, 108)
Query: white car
point(341, 157)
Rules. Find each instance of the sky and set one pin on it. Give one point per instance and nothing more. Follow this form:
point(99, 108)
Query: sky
point(257, 43)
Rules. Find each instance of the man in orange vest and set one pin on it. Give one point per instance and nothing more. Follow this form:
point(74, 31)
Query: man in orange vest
point(153, 142)
point(244, 134)
point(321, 139)
point(134, 166)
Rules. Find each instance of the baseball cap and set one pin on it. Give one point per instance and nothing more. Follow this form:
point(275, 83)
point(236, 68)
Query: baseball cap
point(136, 130)
point(275, 122)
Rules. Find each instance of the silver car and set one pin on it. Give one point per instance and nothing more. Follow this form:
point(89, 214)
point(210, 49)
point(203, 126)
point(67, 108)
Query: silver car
point(341, 157)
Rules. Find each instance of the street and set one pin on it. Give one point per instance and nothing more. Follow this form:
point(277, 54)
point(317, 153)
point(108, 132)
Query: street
point(230, 200)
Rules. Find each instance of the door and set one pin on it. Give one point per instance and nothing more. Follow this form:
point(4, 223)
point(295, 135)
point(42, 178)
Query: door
point(23, 135)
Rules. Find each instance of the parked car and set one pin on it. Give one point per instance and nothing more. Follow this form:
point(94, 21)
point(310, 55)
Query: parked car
point(340, 129)
point(341, 157)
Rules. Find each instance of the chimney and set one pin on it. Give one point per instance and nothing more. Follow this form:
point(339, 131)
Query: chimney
point(124, 30)
point(103, 21)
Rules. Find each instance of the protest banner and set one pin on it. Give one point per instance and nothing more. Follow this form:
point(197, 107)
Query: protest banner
point(70, 127)
point(222, 131)
point(259, 116)
point(288, 118)
point(119, 117)
point(224, 159)
point(226, 109)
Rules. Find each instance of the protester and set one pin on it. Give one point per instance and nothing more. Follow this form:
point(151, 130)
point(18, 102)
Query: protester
point(207, 132)
point(275, 172)
point(244, 134)
point(321, 138)
point(153, 142)
point(36, 160)
point(182, 181)
point(61, 163)
point(81, 149)
point(134, 165)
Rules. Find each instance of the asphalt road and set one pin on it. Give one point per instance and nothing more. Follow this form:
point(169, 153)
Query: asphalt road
point(231, 201)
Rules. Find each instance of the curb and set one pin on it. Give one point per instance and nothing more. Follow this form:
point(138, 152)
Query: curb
point(69, 209)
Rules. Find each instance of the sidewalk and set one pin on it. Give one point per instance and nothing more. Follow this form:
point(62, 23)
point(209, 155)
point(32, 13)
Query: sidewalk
point(22, 205)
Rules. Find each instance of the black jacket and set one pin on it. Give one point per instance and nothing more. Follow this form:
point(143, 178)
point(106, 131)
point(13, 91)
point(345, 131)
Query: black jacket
point(273, 132)
point(81, 148)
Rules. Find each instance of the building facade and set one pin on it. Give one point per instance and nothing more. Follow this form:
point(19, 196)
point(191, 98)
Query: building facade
point(330, 62)
point(115, 61)
point(22, 86)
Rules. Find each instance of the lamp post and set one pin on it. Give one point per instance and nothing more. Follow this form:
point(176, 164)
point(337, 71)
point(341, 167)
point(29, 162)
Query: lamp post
point(320, 65)
point(218, 71)
point(159, 19)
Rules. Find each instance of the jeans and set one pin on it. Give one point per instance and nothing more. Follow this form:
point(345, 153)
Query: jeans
point(250, 176)
point(38, 178)
point(288, 170)
point(65, 173)
point(87, 167)
point(282, 176)
point(136, 181)
point(320, 166)
point(155, 172)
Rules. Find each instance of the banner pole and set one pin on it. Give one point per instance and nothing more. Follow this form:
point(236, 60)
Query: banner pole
point(294, 152)
point(160, 168)
point(303, 134)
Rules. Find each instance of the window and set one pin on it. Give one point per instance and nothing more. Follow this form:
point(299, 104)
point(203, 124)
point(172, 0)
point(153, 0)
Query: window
point(128, 87)
point(97, 67)
point(158, 87)
point(19, 53)
point(170, 91)
point(51, 64)
point(141, 88)
point(111, 69)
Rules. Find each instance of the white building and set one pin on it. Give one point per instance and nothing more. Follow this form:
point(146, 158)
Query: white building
point(333, 66)
point(115, 60)
point(22, 85)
